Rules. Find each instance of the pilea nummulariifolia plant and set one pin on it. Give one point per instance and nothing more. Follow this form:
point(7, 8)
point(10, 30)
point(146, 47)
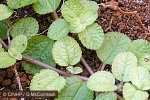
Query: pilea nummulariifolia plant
point(129, 60)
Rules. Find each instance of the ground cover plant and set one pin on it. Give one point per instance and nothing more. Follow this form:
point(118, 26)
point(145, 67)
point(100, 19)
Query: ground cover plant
point(53, 58)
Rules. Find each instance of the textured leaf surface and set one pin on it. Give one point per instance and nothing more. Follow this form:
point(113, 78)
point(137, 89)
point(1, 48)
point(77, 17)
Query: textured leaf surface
point(75, 12)
point(6, 60)
point(113, 44)
point(75, 89)
point(15, 4)
point(106, 96)
point(26, 26)
point(14, 53)
point(121, 65)
point(66, 51)
point(74, 70)
point(1, 49)
point(40, 48)
point(5, 12)
point(140, 77)
point(46, 6)
point(3, 29)
point(131, 93)
point(58, 29)
point(144, 61)
point(101, 81)
point(92, 37)
point(19, 43)
point(47, 80)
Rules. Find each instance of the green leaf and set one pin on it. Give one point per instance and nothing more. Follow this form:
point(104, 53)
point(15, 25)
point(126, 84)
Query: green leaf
point(79, 17)
point(131, 93)
point(3, 29)
point(46, 6)
point(1, 49)
point(40, 48)
point(58, 29)
point(121, 65)
point(15, 4)
point(66, 51)
point(92, 37)
point(75, 89)
point(14, 53)
point(106, 96)
point(47, 80)
point(113, 44)
point(140, 77)
point(5, 12)
point(74, 70)
point(6, 60)
point(26, 26)
point(144, 61)
point(101, 81)
point(19, 43)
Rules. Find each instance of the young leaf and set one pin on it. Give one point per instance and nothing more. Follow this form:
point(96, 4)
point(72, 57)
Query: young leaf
point(92, 37)
point(14, 53)
point(58, 29)
point(74, 70)
point(3, 29)
point(66, 51)
point(5, 12)
point(47, 80)
point(101, 81)
point(40, 48)
point(15, 4)
point(6, 60)
point(106, 96)
point(140, 77)
point(26, 26)
point(75, 89)
point(113, 44)
point(131, 93)
point(121, 65)
point(46, 6)
point(78, 15)
point(19, 43)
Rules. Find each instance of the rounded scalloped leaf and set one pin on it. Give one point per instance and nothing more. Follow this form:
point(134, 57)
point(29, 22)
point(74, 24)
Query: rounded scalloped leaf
point(25, 26)
point(19, 43)
point(74, 70)
point(131, 93)
point(144, 61)
point(106, 96)
point(78, 16)
point(14, 53)
point(46, 6)
point(140, 77)
point(6, 60)
point(75, 89)
point(58, 29)
point(114, 43)
point(5, 12)
point(40, 48)
point(101, 81)
point(92, 37)
point(15, 4)
point(66, 51)
point(47, 80)
point(121, 65)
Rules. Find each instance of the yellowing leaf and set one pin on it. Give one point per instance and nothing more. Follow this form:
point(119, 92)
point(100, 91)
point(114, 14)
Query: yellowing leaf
point(101, 81)
point(5, 12)
point(47, 80)
point(121, 65)
point(14, 53)
point(106, 96)
point(92, 37)
point(66, 51)
point(74, 70)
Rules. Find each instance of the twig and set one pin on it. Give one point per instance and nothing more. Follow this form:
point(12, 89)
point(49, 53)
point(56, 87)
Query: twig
point(87, 66)
point(109, 27)
point(8, 37)
point(101, 67)
point(54, 15)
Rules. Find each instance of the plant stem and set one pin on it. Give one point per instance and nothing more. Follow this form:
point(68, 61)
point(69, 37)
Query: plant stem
point(54, 15)
point(103, 67)
point(87, 66)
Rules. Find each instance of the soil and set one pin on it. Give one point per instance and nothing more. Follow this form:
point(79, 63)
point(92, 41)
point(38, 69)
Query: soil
point(127, 24)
